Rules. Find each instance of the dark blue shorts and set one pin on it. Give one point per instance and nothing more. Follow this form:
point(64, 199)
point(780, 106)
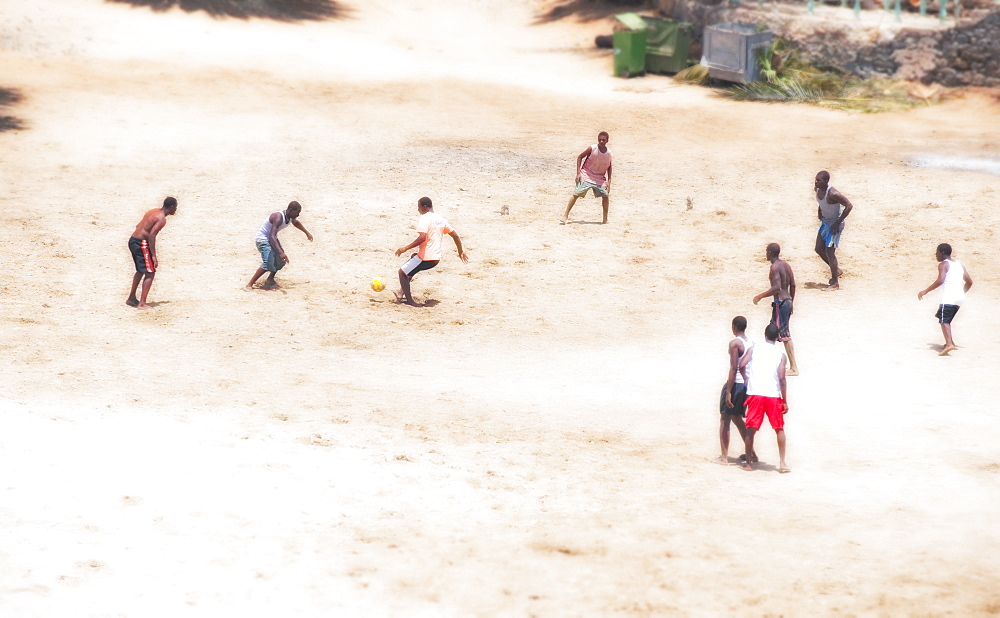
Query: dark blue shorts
point(781, 315)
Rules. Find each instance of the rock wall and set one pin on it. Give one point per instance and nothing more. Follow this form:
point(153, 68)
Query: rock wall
point(964, 55)
point(967, 55)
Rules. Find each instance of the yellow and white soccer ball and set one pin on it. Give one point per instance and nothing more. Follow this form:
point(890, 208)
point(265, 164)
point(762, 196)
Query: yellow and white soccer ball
point(377, 285)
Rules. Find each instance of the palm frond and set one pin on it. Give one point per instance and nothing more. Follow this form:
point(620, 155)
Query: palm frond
point(696, 74)
point(780, 91)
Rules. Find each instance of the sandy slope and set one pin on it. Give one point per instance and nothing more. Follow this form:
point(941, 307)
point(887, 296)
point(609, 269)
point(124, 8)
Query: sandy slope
point(535, 441)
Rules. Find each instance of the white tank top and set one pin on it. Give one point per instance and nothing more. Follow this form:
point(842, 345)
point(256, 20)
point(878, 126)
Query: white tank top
point(265, 230)
point(747, 344)
point(828, 212)
point(953, 288)
point(762, 370)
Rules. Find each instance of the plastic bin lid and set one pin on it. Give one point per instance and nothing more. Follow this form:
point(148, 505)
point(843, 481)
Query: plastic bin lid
point(632, 21)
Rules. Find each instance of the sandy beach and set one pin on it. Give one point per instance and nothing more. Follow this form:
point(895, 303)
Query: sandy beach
point(537, 438)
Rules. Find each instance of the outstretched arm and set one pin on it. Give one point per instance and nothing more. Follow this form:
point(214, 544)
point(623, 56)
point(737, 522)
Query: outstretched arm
point(942, 272)
point(416, 243)
point(296, 223)
point(458, 245)
point(775, 285)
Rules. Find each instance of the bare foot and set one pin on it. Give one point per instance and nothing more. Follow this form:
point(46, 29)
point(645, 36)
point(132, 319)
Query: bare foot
point(562, 221)
point(783, 469)
point(832, 286)
point(746, 467)
point(399, 295)
point(270, 286)
point(722, 461)
point(132, 302)
point(143, 306)
point(947, 350)
point(792, 372)
point(248, 288)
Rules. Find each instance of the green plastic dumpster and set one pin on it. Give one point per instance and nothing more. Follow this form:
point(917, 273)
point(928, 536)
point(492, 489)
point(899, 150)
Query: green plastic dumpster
point(630, 46)
point(668, 44)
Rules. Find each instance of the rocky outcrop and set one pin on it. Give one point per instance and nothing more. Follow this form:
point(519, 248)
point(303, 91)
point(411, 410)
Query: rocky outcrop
point(967, 54)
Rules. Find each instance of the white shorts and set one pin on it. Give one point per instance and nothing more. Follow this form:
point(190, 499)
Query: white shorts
point(415, 265)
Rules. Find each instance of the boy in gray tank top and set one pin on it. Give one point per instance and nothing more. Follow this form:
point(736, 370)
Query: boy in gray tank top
point(833, 209)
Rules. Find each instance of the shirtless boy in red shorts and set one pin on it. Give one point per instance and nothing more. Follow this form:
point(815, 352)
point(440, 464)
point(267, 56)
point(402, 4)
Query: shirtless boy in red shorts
point(142, 246)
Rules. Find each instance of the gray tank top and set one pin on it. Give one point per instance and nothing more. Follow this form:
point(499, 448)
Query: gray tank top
point(829, 213)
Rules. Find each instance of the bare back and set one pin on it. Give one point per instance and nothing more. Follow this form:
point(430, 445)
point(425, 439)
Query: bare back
point(150, 224)
point(782, 278)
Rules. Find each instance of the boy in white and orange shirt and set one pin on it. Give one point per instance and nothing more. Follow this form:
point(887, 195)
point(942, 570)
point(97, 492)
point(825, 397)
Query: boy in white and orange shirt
point(431, 228)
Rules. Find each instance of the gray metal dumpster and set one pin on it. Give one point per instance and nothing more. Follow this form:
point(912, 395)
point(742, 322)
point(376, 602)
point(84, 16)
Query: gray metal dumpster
point(729, 52)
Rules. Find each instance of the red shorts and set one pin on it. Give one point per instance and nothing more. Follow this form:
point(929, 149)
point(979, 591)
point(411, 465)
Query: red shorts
point(758, 406)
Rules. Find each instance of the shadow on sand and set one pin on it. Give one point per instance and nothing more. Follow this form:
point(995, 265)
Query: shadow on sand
point(281, 10)
point(813, 285)
point(9, 97)
point(590, 10)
